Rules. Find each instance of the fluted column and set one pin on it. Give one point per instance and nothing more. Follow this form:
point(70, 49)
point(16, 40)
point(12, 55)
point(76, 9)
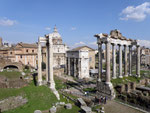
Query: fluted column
point(114, 61)
point(79, 67)
point(126, 63)
point(138, 61)
point(47, 61)
point(99, 62)
point(130, 60)
point(75, 74)
point(120, 61)
point(39, 64)
point(52, 83)
point(68, 66)
point(108, 63)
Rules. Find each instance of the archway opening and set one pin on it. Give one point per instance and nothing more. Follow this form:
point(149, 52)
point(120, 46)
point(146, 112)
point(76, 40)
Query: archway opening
point(10, 67)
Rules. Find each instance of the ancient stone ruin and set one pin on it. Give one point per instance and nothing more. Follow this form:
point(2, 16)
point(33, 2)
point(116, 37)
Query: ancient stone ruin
point(49, 63)
point(115, 38)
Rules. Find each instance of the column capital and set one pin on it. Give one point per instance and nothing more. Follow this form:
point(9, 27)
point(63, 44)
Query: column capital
point(125, 45)
point(113, 44)
point(119, 45)
point(107, 42)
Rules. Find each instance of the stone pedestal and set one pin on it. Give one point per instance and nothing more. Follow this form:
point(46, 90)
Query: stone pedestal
point(106, 90)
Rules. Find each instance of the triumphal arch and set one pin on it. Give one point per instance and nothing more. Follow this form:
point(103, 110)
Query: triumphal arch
point(115, 39)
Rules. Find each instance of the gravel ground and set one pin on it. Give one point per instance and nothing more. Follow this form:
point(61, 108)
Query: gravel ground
point(114, 107)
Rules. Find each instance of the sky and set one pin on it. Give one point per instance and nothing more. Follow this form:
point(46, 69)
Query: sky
point(77, 20)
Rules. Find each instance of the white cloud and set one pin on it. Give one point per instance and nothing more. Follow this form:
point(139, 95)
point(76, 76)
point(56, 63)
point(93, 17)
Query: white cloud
point(73, 28)
point(137, 13)
point(80, 43)
point(48, 28)
point(145, 43)
point(93, 43)
point(7, 22)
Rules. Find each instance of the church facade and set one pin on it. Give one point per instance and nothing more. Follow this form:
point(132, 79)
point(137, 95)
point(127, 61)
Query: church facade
point(59, 50)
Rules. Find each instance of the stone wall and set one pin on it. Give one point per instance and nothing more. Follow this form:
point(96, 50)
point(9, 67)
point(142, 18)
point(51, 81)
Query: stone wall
point(12, 102)
point(14, 83)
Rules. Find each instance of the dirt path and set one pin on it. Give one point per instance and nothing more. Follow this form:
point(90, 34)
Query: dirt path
point(115, 107)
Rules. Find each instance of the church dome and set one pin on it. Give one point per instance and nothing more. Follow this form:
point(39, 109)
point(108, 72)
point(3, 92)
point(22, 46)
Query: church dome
point(55, 33)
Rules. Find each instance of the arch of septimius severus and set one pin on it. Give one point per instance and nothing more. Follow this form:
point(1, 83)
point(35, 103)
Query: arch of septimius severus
point(115, 39)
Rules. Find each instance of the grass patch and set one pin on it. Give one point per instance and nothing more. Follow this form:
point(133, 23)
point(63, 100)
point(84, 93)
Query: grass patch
point(125, 80)
point(39, 97)
point(89, 89)
point(10, 74)
point(59, 83)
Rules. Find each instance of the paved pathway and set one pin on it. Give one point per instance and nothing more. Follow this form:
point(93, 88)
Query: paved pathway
point(115, 107)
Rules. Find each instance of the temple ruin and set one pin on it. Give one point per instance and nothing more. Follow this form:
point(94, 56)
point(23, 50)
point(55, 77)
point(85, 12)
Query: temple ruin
point(115, 39)
point(49, 63)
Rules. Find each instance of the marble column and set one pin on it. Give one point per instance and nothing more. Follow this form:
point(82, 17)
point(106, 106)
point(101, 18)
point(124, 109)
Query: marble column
point(68, 66)
point(79, 67)
point(125, 62)
point(99, 62)
point(120, 61)
point(51, 76)
point(47, 61)
point(39, 64)
point(114, 61)
point(108, 63)
point(138, 61)
point(75, 74)
point(130, 60)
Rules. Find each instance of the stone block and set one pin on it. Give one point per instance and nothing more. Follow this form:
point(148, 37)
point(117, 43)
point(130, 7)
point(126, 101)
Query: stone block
point(81, 102)
point(133, 85)
point(105, 90)
point(37, 111)
point(62, 103)
point(53, 109)
point(86, 109)
point(68, 106)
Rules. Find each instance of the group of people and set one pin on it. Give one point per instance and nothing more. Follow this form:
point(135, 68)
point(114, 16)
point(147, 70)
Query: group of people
point(102, 100)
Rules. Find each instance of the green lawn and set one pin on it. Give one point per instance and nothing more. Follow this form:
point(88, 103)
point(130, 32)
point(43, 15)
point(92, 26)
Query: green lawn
point(11, 74)
point(39, 97)
point(125, 80)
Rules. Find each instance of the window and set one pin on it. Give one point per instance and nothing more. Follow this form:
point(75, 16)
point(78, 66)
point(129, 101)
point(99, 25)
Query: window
point(27, 50)
point(32, 51)
point(20, 56)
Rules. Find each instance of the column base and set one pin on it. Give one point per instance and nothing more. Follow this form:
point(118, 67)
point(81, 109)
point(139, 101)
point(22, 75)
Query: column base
point(105, 89)
point(126, 75)
point(130, 74)
point(51, 84)
point(137, 75)
point(120, 76)
point(99, 80)
point(114, 77)
point(40, 83)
